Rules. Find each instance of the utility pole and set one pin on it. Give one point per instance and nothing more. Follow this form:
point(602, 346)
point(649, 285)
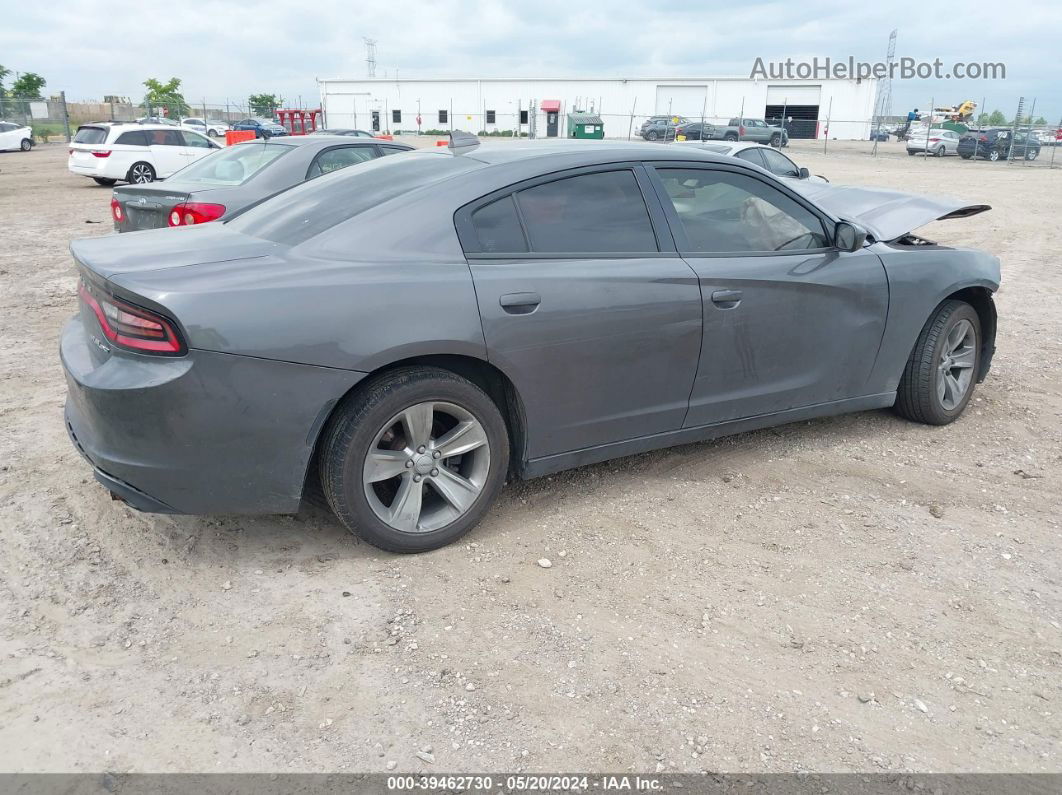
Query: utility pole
point(884, 103)
point(370, 55)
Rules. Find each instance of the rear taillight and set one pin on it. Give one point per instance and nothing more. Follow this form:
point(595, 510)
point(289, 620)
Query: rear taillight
point(130, 326)
point(191, 213)
point(934, 140)
point(741, 130)
point(101, 152)
point(982, 137)
point(116, 210)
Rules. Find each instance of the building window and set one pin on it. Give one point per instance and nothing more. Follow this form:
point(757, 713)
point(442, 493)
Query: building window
point(443, 117)
point(523, 117)
point(490, 117)
point(396, 117)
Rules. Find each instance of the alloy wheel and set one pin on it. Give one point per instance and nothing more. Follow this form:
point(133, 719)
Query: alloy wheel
point(426, 467)
point(141, 174)
point(956, 365)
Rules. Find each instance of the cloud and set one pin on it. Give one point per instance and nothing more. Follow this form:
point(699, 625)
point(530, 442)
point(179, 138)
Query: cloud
point(225, 49)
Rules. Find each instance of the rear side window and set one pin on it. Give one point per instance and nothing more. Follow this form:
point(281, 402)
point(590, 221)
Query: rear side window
point(195, 139)
point(498, 227)
point(90, 135)
point(751, 156)
point(602, 212)
point(133, 138)
point(779, 164)
point(164, 138)
point(335, 159)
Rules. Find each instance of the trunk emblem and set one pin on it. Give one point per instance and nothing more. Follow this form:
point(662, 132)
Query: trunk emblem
point(141, 201)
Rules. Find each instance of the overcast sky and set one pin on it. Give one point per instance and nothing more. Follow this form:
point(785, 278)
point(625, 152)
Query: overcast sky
point(223, 49)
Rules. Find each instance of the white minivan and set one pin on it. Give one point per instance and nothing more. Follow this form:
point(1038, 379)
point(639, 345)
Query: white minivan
point(109, 152)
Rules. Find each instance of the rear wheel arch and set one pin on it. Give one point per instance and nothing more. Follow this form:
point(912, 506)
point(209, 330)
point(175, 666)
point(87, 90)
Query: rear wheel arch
point(498, 386)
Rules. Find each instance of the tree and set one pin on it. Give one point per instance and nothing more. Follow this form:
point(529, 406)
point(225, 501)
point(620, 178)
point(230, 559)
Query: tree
point(3, 75)
point(166, 95)
point(1040, 122)
point(264, 104)
point(997, 119)
point(28, 85)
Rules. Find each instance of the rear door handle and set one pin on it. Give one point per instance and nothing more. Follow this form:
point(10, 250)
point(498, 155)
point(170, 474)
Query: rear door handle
point(727, 298)
point(520, 303)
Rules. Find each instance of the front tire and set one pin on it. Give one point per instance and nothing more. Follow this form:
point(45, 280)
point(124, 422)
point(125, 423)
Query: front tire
point(415, 459)
point(26, 145)
point(1031, 154)
point(944, 366)
point(651, 136)
point(212, 133)
point(730, 137)
point(994, 155)
point(776, 141)
point(140, 173)
point(940, 151)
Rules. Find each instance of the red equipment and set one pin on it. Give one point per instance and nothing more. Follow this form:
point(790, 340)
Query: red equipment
point(299, 122)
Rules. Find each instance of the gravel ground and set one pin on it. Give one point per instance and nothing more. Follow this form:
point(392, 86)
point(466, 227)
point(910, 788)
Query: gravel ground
point(851, 594)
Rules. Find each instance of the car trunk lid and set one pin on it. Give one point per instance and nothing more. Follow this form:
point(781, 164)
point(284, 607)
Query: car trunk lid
point(886, 214)
point(147, 206)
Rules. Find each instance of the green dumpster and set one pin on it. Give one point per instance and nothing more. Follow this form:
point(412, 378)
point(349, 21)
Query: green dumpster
point(585, 125)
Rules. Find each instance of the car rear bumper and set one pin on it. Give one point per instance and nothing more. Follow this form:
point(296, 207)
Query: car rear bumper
point(204, 433)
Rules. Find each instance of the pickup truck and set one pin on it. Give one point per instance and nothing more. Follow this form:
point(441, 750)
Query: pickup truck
point(754, 130)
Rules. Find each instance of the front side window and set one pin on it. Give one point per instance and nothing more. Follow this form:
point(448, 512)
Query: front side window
point(165, 138)
point(133, 138)
point(335, 159)
point(722, 213)
point(196, 140)
point(602, 212)
point(779, 164)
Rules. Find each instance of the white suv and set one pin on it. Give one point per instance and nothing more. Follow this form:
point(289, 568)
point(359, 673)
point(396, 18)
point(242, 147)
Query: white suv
point(112, 151)
point(212, 128)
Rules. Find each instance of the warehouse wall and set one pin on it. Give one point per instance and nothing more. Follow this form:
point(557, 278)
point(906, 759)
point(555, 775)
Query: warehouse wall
point(350, 103)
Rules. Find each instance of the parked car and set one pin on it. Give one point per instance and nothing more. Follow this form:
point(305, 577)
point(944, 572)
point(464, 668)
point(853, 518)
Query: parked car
point(996, 144)
point(749, 129)
point(352, 133)
point(15, 136)
point(660, 122)
point(212, 129)
point(766, 157)
point(262, 128)
point(219, 186)
point(110, 152)
point(879, 134)
point(937, 142)
point(693, 131)
point(421, 326)
point(157, 120)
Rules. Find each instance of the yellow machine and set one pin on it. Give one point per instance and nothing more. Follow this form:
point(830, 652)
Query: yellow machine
point(962, 112)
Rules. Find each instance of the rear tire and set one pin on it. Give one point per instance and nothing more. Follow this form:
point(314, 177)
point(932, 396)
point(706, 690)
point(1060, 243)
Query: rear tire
point(26, 145)
point(651, 136)
point(776, 141)
point(406, 416)
point(107, 183)
point(911, 152)
point(212, 133)
point(1031, 154)
point(943, 367)
point(940, 151)
point(730, 136)
point(141, 173)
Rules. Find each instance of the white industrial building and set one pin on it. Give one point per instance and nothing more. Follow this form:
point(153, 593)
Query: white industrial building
point(500, 104)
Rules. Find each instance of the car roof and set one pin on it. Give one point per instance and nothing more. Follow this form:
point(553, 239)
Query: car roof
point(579, 152)
point(322, 140)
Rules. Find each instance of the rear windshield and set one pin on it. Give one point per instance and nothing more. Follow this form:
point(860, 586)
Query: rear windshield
point(90, 135)
point(234, 165)
point(306, 210)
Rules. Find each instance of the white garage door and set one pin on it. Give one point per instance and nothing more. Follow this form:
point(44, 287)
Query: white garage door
point(682, 100)
point(793, 95)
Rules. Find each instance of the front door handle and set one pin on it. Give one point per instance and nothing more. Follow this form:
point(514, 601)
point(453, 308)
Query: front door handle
point(520, 303)
point(726, 299)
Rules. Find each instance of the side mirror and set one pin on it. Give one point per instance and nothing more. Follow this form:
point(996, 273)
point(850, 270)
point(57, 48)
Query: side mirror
point(804, 173)
point(848, 236)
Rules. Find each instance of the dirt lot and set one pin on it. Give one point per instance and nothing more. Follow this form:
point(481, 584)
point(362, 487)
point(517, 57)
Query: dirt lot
point(858, 593)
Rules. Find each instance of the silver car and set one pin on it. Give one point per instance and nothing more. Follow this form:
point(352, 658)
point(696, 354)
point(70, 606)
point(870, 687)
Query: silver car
point(935, 142)
point(763, 156)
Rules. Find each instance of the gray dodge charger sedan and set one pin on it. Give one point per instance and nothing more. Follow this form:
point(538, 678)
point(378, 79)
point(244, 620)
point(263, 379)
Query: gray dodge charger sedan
point(417, 329)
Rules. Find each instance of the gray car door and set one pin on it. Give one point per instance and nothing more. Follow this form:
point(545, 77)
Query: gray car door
point(585, 305)
point(789, 320)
